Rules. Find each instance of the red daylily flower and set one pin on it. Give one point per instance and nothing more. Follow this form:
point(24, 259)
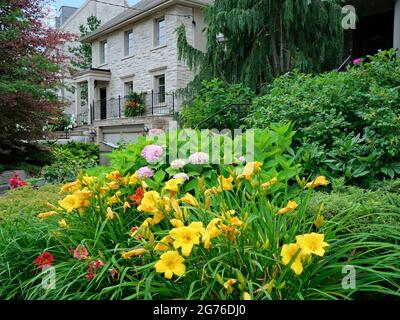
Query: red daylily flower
point(44, 260)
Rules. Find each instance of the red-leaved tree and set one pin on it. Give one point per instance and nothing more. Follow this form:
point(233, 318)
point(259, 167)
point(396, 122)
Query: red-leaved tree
point(30, 71)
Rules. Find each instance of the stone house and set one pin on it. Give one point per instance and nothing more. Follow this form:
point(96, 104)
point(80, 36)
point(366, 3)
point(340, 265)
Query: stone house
point(69, 19)
point(137, 52)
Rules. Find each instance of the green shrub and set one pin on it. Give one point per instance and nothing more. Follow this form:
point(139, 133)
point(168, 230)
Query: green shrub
point(348, 123)
point(69, 160)
point(213, 96)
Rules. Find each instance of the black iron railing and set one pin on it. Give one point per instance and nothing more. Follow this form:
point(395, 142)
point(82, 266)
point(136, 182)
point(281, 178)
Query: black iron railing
point(82, 118)
point(154, 104)
point(346, 62)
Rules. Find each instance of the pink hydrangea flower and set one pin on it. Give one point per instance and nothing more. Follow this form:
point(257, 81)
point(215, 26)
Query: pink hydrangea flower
point(145, 172)
point(199, 158)
point(242, 159)
point(80, 252)
point(357, 61)
point(152, 153)
point(178, 164)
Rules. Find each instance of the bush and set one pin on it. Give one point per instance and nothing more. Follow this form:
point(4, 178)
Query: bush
point(229, 231)
point(213, 96)
point(348, 124)
point(69, 160)
point(134, 105)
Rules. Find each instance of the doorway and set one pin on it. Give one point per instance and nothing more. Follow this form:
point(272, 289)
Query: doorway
point(103, 103)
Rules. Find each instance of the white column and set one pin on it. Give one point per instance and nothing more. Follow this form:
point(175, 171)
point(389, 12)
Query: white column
point(396, 33)
point(90, 98)
point(77, 99)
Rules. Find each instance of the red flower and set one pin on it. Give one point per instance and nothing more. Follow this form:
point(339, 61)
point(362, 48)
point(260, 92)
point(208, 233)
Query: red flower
point(95, 265)
point(138, 196)
point(16, 182)
point(44, 260)
point(80, 252)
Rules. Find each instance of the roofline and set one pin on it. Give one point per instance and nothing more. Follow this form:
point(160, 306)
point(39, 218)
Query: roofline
point(80, 9)
point(95, 34)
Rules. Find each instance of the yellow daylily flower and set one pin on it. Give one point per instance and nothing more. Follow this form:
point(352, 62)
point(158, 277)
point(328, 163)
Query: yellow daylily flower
point(246, 296)
point(170, 263)
point(110, 214)
point(235, 221)
point(189, 199)
point(291, 206)
point(319, 181)
point(163, 244)
point(319, 221)
point(115, 176)
point(62, 223)
point(114, 199)
point(126, 206)
point(173, 184)
point(228, 285)
point(71, 187)
point(250, 170)
point(288, 252)
point(133, 253)
point(70, 203)
point(269, 183)
point(46, 215)
point(113, 185)
point(87, 181)
point(177, 223)
point(150, 202)
point(211, 232)
point(312, 243)
point(225, 184)
point(133, 179)
point(185, 238)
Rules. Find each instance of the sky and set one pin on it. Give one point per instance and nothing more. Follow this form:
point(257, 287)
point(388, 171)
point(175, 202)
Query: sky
point(78, 3)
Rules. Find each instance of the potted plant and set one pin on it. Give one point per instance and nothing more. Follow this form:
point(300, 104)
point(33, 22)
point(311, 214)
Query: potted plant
point(134, 105)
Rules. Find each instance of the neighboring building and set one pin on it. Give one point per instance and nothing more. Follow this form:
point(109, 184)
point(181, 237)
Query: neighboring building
point(69, 20)
point(137, 52)
point(378, 27)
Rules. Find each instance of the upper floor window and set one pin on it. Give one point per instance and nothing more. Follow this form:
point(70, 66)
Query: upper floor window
point(160, 32)
point(128, 88)
point(103, 52)
point(129, 43)
point(160, 88)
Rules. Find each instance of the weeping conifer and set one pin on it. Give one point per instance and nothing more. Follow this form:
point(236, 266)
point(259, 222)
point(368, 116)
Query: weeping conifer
point(266, 38)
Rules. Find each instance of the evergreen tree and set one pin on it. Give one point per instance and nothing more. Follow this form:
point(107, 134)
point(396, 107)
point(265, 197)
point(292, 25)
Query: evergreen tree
point(83, 53)
point(263, 39)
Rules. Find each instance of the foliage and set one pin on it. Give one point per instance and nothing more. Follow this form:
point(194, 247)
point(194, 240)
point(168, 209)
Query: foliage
point(82, 53)
point(210, 99)
point(134, 105)
point(347, 123)
point(227, 230)
point(30, 70)
point(69, 160)
point(264, 39)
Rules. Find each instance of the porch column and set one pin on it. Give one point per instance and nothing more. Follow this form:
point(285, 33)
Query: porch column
point(90, 98)
point(396, 40)
point(77, 99)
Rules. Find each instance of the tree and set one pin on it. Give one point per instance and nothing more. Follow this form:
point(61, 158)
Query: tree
point(29, 71)
point(264, 39)
point(83, 53)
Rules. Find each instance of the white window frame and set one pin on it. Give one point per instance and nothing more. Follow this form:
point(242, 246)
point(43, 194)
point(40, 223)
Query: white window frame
point(129, 50)
point(103, 52)
point(128, 86)
point(157, 38)
point(157, 86)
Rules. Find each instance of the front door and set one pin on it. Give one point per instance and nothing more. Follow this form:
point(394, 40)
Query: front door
point(103, 103)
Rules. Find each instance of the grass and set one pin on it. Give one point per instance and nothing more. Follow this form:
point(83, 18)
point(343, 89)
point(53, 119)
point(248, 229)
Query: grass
point(28, 200)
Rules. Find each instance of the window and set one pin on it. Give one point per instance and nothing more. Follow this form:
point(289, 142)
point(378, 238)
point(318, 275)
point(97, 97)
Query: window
point(160, 88)
point(128, 87)
point(160, 33)
point(103, 52)
point(128, 43)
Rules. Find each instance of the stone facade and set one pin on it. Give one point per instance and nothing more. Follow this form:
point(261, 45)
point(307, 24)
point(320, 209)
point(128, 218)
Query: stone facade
point(104, 13)
point(148, 61)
